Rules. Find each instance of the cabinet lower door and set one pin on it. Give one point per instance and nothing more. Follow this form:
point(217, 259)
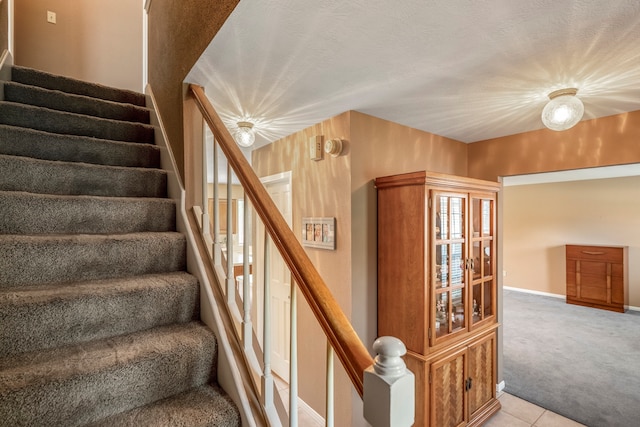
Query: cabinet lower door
point(481, 360)
point(448, 389)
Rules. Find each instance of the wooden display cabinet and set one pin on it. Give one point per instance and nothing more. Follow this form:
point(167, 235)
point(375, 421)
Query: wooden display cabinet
point(437, 288)
point(598, 276)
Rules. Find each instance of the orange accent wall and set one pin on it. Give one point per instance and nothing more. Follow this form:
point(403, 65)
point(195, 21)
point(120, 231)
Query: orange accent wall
point(612, 140)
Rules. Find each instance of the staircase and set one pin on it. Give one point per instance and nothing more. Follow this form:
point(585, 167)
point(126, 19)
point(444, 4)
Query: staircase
point(98, 317)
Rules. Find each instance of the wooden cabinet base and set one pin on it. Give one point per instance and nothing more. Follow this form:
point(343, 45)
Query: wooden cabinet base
point(485, 413)
point(456, 387)
point(619, 309)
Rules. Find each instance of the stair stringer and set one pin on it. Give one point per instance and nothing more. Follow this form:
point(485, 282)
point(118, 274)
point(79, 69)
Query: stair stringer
point(233, 374)
point(6, 61)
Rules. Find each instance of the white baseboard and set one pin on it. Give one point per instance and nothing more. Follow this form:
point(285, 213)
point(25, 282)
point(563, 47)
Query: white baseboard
point(500, 387)
point(529, 291)
point(546, 294)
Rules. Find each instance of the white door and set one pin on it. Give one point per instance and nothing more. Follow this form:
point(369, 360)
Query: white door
point(279, 188)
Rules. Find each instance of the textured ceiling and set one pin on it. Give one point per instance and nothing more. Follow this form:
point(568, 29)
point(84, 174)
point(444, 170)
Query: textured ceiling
point(463, 69)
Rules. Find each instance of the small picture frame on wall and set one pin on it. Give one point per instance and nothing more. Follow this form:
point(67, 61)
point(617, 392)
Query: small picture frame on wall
point(319, 233)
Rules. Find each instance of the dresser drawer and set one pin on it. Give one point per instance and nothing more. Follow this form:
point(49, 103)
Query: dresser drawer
point(596, 253)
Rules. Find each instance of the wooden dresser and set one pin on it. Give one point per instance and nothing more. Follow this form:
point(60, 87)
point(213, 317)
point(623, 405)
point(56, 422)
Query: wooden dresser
point(598, 276)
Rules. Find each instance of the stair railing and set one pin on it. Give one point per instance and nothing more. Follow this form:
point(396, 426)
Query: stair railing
point(386, 386)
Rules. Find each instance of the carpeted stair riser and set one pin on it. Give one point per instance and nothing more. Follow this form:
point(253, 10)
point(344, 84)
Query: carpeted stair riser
point(18, 141)
point(41, 259)
point(79, 104)
point(51, 177)
point(65, 84)
point(200, 407)
point(44, 317)
point(54, 121)
point(29, 213)
point(84, 383)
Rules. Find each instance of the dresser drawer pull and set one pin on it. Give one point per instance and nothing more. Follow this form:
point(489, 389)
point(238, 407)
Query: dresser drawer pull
point(592, 253)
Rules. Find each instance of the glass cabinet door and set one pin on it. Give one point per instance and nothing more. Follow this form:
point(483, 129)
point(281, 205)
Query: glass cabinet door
point(449, 277)
point(482, 258)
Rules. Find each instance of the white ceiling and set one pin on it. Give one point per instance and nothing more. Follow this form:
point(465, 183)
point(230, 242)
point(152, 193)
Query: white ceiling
point(464, 69)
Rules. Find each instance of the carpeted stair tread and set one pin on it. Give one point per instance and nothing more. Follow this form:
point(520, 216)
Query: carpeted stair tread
point(40, 259)
point(204, 406)
point(98, 316)
point(79, 104)
point(46, 80)
point(19, 141)
point(47, 316)
point(30, 213)
point(71, 178)
point(83, 383)
point(48, 120)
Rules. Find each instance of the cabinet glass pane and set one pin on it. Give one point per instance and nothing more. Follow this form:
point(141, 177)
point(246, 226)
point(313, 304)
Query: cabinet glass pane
point(442, 265)
point(481, 303)
point(457, 218)
point(487, 258)
point(486, 217)
point(442, 217)
point(487, 299)
point(457, 309)
point(476, 224)
point(476, 261)
point(457, 264)
point(442, 314)
point(476, 303)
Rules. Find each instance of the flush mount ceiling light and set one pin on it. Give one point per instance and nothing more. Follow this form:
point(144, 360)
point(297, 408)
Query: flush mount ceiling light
point(245, 136)
point(563, 110)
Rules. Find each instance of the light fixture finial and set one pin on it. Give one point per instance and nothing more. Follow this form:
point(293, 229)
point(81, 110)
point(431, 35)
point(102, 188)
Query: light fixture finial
point(563, 110)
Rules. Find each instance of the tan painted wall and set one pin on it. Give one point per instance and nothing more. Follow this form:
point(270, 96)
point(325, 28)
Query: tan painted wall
point(540, 219)
point(319, 189)
point(606, 141)
point(179, 31)
point(94, 40)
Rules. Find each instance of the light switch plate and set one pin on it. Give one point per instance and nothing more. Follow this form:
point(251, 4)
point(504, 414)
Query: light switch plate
point(51, 17)
point(315, 147)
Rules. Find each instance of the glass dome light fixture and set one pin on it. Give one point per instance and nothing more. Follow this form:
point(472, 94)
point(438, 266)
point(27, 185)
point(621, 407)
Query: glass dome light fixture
point(563, 110)
point(245, 135)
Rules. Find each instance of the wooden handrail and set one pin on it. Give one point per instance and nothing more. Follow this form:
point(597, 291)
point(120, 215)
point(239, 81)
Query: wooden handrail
point(350, 351)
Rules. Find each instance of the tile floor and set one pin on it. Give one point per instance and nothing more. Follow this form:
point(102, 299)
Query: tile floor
point(517, 412)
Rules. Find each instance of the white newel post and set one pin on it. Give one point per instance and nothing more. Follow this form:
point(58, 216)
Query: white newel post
point(389, 387)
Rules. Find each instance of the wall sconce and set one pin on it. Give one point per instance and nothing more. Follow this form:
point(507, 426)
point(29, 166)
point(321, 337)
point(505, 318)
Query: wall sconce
point(563, 110)
point(245, 135)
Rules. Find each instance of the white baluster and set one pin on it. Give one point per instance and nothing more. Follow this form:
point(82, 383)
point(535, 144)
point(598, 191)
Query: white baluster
point(330, 398)
point(231, 280)
point(246, 281)
point(293, 359)
point(217, 248)
point(389, 387)
point(205, 187)
point(267, 377)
